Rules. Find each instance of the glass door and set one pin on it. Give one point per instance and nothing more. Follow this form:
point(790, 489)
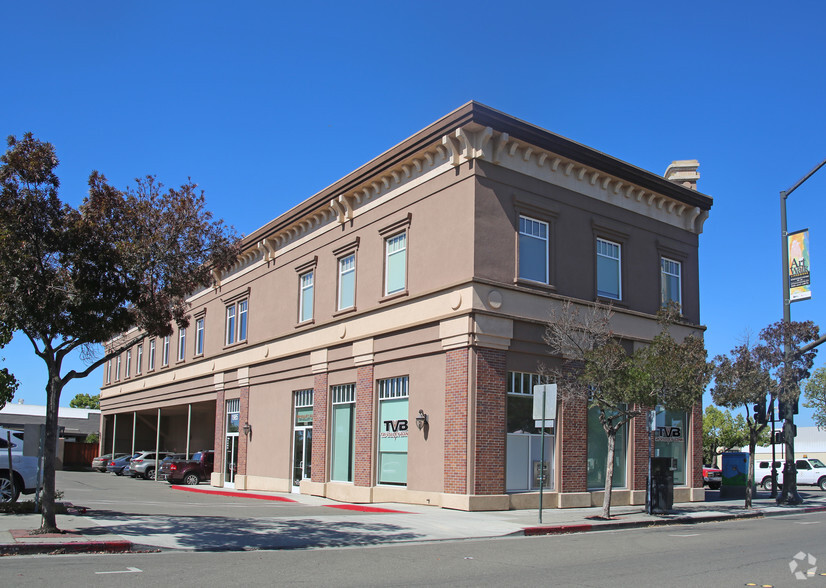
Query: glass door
point(302, 437)
point(231, 442)
point(302, 456)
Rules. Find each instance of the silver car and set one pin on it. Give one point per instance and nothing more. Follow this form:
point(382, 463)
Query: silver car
point(143, 465)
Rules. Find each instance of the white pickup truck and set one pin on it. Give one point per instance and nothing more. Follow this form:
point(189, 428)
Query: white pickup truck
point(24, 468)
point(810, 472)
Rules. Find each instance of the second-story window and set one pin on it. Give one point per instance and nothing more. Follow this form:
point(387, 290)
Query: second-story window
point(199, 336)
point(117, 369)
point(151, 355)
point(139, 364)
point(237, 321)
point(128, 363)
point(347, 282)
point(165, 352)
point(305, 301)
point(670, 281)
point(109, 372)
point(609, 284)
point(181, 344)
point(395, 264)
point(533, 250)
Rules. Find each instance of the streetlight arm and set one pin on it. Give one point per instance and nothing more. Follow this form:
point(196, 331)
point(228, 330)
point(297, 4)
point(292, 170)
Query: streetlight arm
point(804, 178)
point(812, 345)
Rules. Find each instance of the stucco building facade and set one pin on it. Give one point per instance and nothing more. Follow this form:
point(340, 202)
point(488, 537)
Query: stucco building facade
point(419, 286)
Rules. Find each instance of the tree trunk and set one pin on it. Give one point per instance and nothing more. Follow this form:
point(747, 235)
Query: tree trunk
point(609, 472)
point(53, 389)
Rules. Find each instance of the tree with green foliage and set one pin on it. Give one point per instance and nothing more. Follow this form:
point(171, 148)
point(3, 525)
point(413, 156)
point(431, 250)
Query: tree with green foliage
point(722, 431)
point(780, 351)
point(596, 370)
point(741, 379)
point(85, 401)
point(816, 397)
point(79, 278)
point(8, 383)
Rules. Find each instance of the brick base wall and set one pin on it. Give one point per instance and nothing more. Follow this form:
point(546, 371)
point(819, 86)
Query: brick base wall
point(491, 425)
point(243, 440)
point(456, 421)
point(695, 457)
point(363, 475)
point(639, 430)
point(319, 473)
point(220, 415)
point(573, 444)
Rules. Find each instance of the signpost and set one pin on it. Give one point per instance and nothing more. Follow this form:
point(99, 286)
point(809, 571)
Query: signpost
point(544, 409)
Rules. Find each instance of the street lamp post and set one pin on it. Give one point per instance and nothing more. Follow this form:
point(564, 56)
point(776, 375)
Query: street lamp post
point(789, 494)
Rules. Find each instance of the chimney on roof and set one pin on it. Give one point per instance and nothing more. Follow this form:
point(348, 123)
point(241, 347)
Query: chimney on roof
point(683, 172)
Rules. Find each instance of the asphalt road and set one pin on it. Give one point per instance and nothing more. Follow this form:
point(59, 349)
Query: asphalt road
point(731, 553)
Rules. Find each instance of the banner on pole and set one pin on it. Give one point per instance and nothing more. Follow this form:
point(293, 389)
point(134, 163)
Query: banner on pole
point(799, 278)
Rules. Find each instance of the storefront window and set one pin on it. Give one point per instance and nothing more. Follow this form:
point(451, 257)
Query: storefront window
point(393, 430)
point(598, 453)
point(344, 432)
point(524, 439)
point(670, 441)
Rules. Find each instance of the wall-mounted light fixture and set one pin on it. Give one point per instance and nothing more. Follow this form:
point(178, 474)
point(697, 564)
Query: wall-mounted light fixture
point(421, 420)
point(247, 428)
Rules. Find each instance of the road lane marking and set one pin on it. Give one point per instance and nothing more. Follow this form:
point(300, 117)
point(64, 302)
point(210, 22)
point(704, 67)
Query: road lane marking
point(686, 535)
point(808, 522)
point(126, 571)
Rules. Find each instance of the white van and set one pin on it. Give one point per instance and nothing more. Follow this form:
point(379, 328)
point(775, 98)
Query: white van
point(810, 472)
point(24, 468)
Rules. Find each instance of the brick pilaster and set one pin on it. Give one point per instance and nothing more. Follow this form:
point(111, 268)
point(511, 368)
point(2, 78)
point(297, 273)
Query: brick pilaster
point(695, 457)
point(573, 445)
point(491, 426)
point(243, 441)
point(320, 395)
point(363, 475)
point(639, 429)
point(456, 421)
point(220, 416)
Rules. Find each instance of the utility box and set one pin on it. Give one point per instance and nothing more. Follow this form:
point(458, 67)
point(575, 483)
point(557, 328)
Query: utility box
point(735, 475)
point(662, 485)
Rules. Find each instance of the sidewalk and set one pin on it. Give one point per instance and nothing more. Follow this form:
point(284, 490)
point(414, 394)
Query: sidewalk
point(330, 524)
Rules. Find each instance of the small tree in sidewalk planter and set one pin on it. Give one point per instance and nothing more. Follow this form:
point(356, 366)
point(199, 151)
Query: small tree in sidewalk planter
point(741, 379)
point(597, 370)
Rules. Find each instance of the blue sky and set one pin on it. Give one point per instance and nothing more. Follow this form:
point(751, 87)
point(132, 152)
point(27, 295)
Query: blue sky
point(264, 104)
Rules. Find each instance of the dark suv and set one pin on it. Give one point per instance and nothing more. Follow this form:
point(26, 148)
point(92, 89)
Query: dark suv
point(188, 471)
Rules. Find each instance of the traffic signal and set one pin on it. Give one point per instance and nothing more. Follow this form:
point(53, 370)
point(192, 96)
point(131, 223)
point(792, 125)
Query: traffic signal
point(783, 407)
point(760, 412)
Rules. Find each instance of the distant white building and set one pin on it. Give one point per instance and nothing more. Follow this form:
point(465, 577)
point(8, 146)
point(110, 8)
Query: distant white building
point(810, 442)
point(77, 423)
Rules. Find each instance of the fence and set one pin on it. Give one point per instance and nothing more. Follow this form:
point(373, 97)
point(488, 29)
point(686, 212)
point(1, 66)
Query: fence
point(79, 454)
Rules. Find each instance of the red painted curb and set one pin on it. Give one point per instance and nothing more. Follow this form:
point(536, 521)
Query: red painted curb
point(557, 530)
point(68, 547)
point(234, 494)
point(360, 508)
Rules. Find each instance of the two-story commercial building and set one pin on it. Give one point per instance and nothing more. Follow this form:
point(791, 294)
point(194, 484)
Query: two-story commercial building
point(379, 341)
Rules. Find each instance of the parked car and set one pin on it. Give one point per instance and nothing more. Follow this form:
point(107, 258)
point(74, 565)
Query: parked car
point(116, 465)
point(101, 461)
point(23, 470)
point(712, 477)
point(810, 472)
point(190, 472)
point(143, 466)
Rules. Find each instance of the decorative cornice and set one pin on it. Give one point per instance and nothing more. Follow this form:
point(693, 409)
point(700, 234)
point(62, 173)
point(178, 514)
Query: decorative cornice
point(475, 131)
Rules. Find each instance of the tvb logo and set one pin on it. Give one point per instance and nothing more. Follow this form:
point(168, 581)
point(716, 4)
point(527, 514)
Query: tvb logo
point(395, 426)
